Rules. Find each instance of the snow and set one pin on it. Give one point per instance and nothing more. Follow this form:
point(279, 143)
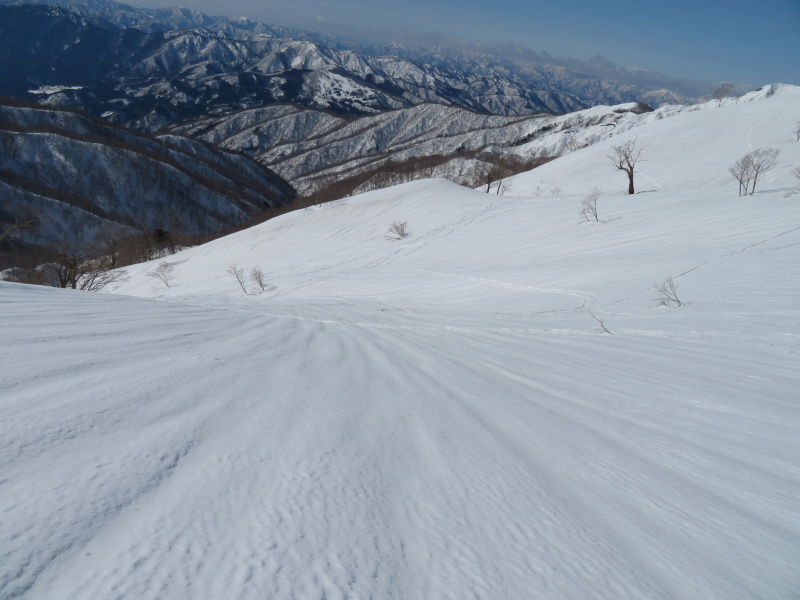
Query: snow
point(434, 417)
point(683, 147)
point(54, 89)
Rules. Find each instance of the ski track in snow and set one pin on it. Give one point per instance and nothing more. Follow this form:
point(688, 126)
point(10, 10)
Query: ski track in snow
point(435, 417)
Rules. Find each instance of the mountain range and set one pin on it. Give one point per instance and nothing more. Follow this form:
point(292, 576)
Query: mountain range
point(150, 68)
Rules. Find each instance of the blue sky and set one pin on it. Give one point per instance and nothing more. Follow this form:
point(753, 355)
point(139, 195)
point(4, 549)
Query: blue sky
point(756, 41)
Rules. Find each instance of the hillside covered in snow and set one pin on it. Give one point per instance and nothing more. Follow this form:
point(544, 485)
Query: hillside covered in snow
point(494, 406)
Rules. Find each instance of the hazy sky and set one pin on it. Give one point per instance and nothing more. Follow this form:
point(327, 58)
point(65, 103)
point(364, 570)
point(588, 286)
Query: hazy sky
point(757, 41)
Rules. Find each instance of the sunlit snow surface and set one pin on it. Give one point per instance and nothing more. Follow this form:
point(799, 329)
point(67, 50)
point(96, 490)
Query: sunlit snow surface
point(434, 417)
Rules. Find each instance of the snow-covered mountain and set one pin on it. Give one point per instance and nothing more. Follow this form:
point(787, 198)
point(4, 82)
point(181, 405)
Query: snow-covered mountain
point(151, 68)
point(316, 149)
point(76, 173)
point(495, 406)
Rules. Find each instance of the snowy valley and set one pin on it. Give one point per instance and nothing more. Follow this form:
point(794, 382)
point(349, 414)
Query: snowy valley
point(493, 406)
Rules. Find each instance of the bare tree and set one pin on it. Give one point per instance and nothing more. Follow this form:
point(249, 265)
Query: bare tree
point(163, 273)
point(397, 231)
point(493, 176)
point(257, 276)
point(17, 225)
point(723, 92)
point(763, 161)
point(110, 242)
point(667, 292)
point(65, 267)
point(743, 172)
point(589, 206)
point(238, 274)
point(797, 131)
point(98, 273)
point(556, 191)
point(624, 158)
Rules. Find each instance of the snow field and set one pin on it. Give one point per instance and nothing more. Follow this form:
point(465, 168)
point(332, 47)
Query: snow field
point(437, 417)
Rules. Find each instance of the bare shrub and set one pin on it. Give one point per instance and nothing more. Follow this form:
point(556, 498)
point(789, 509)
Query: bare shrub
point(797, 131)
point(257, 276)
point(238, 274)
point(603, 328)
point(163, 273)
point(98, 274)
point(667, 293)
point(397, 231)
point(589, 206)
point(556, 191)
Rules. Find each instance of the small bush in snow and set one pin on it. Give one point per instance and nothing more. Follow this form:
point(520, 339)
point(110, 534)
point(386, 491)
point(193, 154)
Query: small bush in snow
point(667, 293)
point(163, 273)
point(257, 276)
point(397, 231)
point(238, 274)
point(589, 206)
point(603, 328)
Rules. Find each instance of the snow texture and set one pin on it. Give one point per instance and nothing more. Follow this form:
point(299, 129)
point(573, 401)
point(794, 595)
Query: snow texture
point(433, 417)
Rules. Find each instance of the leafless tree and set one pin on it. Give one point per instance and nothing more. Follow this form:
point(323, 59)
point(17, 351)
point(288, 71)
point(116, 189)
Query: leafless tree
point(258, 277)
point(556, 191)
point(667, 293)
point(797, 131)
point(163, 273)
point(722, 92)
point(589, 206)
point(17, 225)
point(743, 172)
point(762, 161)
point(238, 274)
point(65, 267)
point(493, 176)
point(397, 231)
point(603, 328)
point(98, 274)
point(624, 157)
point(110, 243)
point(796, 173)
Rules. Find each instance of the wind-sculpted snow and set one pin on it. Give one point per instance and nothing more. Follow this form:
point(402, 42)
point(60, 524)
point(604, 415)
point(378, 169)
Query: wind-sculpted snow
point(494, 406)
point(434, 417)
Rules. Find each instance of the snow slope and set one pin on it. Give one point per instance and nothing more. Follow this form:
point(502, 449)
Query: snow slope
point(684, 147)
point(433, 417)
